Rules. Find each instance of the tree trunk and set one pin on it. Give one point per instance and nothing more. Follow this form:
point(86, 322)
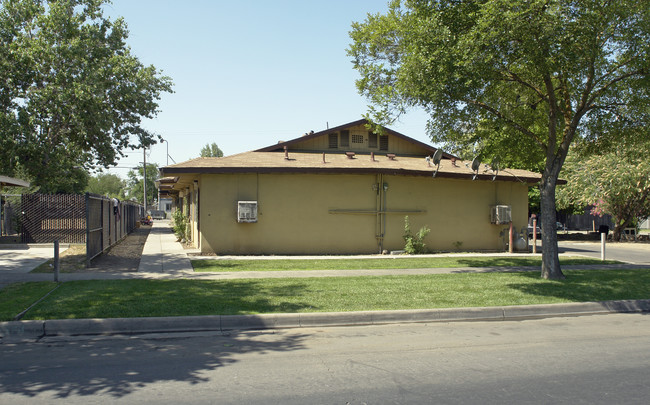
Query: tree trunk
point(550, 261)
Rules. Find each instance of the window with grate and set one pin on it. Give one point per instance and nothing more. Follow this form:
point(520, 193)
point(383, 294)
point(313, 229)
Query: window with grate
point(356, 138)
point(334, 141)
point(383, 142)
point(372, 140)
point(345, 138)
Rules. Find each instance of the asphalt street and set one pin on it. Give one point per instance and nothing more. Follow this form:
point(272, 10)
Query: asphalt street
point(629, 252)
point(590, 359)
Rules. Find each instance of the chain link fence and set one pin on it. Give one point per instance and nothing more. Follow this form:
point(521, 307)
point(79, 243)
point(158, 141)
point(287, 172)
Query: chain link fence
point(109, 220)
point(97, 221)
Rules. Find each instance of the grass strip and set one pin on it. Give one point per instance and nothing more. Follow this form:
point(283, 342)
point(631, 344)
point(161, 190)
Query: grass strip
point(226, 265)
point(140, 298)
point(15, 298)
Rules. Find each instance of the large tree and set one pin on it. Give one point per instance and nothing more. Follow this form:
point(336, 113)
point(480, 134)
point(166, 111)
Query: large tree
point(72, 96)
point(614, 182)
point(135, 184)
point(108, 184)
point(528, 76)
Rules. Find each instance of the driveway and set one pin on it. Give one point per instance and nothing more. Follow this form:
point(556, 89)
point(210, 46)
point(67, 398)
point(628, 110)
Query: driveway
point(637, 253)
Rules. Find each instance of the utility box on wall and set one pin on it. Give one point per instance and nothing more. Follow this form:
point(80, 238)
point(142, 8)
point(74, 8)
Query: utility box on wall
point(246, 211)
point(500, 214)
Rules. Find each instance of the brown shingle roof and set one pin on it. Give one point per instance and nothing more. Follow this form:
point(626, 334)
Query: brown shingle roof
point(275, 162)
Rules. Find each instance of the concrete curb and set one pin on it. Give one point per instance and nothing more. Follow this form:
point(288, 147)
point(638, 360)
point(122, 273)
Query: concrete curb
point(25, 331)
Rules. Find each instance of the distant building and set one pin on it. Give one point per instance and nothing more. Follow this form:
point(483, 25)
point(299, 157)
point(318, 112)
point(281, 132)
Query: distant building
point(345, 190)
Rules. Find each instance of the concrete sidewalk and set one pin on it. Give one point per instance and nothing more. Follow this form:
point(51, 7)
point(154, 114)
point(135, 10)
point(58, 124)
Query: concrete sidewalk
point(162, 253)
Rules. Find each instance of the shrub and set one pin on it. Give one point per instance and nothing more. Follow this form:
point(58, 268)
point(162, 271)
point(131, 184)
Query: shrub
point(414, 243)
point(181, 225)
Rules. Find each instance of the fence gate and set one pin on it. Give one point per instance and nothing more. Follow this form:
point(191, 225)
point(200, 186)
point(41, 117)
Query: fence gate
point(10, 215)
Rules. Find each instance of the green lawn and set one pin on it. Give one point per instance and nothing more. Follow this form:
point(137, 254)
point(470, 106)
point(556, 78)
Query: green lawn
point(16, 298)
point(223, 265)
point(139, 298)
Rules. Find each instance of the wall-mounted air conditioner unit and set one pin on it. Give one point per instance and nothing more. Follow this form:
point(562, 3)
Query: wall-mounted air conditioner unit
point(246, 211)
point(500, 214)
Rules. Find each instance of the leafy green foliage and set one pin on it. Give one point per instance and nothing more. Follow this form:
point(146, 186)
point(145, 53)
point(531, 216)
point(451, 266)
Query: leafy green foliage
point(211, 150)
point(414, 243)
point(71, 93)
point(615, 182)
point(108, 184)
point(519, 81)
point(135, 183)
point(180, 225)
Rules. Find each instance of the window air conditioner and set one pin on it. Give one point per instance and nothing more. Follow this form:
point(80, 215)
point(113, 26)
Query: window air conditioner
point(246, 211)
point(500, 215)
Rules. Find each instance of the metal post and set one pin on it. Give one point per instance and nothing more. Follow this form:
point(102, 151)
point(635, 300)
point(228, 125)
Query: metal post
point(511, 240)
point(88, 244)
point(603, 238)
point(144, 172)
point(534, 235)
point(56, 261)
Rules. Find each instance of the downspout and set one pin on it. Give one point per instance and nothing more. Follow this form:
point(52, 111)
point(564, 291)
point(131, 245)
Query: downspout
point(381, 212)
point(378, 220)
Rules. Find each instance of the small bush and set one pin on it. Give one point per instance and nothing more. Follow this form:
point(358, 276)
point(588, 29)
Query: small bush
point(414, 243)
point(181, 225)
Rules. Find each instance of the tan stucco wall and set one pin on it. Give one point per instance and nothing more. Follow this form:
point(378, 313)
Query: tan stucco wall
point(295, 213)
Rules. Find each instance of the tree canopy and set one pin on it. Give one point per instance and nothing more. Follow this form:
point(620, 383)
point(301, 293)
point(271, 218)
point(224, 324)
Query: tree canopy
point(108, 184)
point(135, 184)
point(211, 150)
point(522, 79)
point(72, 96)
point(614, 182)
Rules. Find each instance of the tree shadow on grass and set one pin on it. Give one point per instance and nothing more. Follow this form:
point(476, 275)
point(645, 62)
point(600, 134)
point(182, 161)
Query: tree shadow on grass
point(515, 262)
point(589, 285)
point(119, 367)
point(156, 298)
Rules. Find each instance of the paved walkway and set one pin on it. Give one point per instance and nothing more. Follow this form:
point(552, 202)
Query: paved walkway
point(162, 253)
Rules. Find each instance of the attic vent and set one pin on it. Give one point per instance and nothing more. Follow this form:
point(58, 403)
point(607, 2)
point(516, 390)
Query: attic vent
point(500, 214)
point(372, 140)
point(333, 141)
point(345, 138)
point(246, 211)
point(383, 142)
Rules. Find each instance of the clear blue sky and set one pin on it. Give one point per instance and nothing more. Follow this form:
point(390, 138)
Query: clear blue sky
point(248, 73)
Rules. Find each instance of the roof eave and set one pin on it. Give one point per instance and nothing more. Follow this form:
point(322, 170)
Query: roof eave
point(341, 170)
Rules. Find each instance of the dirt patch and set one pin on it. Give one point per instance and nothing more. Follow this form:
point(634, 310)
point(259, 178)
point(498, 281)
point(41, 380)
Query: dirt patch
point(123, 257)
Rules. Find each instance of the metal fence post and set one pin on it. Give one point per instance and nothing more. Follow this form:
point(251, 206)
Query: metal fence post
point(87, 229)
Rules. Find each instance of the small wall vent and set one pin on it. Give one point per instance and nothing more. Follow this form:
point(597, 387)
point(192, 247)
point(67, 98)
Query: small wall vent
point(500, 214)
point(246, 211)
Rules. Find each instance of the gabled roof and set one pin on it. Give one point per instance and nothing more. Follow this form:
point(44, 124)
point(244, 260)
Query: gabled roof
point(279, 147)
point(299, 162)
